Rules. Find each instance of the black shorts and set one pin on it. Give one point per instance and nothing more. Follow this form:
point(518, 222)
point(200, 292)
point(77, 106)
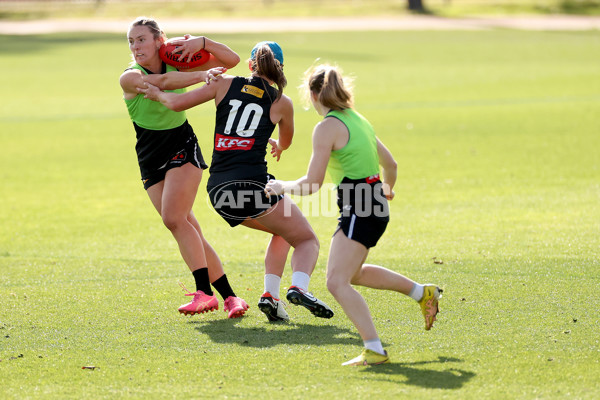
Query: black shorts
point(237, 200)
point(190, 153)
point(364, 212)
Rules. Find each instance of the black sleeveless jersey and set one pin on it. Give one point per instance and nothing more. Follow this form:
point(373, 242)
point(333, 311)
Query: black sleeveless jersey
point(242, 130)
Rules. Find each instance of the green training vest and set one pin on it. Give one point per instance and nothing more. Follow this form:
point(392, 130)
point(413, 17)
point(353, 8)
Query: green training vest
point(151, 114)
point(358, 159)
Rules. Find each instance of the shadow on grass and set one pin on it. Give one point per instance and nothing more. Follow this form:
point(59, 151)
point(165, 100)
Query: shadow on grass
point(451, 378)
point(224, 331)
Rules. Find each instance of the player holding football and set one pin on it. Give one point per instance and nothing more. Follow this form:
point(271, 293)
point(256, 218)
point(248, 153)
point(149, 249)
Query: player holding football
point(344, 143)
point(170, 159)
point(248, 109)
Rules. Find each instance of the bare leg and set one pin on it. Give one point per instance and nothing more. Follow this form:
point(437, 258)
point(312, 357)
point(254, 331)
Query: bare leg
point(286, 220)
point(277, 250)
point(377, 277)
point(290, 228)
point(276, 255)
point(215, 266)
point(174, 198)
point(345, 261)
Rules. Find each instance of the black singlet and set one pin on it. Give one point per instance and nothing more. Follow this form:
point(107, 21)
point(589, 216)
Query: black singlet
point(242, 130)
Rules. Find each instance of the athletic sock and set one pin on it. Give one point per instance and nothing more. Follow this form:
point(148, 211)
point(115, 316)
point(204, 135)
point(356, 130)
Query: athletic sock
point(301, 280)
point(222, 286)
point(202, 281)
point(374, 345)
point(417, 291)
point(272, 283)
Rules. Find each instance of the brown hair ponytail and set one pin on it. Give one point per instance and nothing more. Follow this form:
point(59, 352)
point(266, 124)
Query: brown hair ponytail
point(265, 64)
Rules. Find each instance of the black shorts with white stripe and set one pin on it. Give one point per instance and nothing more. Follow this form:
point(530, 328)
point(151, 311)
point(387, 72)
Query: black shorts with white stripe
point(364, 211)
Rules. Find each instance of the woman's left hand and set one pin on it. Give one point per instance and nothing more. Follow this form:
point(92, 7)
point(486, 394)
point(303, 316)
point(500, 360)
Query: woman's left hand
point(275, 149)
point(388, 192)
point(214, 74)
point(150, 91)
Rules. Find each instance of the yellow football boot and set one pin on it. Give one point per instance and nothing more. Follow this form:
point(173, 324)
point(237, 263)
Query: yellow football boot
point(369, 357)
point(429, 304)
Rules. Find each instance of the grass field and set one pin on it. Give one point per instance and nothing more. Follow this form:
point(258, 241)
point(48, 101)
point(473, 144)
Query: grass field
point(497, 138)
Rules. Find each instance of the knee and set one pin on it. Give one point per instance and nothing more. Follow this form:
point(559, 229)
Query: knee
point(335, 286)
point(173, 221)
point(307, 238)
point(314, 240)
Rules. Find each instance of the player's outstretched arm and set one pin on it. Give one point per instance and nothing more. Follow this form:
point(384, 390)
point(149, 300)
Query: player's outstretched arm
point(168, 99)
point(182, 101)
point(178, 79)
point(323, 141)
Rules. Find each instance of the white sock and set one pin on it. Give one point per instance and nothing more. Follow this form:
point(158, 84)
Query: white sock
point(301, 280)
point(374, 345)
point(272, 283)
point(417, 291)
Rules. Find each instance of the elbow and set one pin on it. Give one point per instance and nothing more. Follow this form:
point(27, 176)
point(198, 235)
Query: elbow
point(314, 186)
point(390, 165)
point(232, 61)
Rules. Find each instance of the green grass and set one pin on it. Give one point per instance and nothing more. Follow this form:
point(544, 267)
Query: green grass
point(496, 135)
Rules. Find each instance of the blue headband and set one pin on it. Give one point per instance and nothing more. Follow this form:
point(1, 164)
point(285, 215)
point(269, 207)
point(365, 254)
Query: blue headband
point(275, 48)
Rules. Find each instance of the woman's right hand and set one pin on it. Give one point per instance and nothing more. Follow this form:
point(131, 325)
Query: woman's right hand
point(188, 46)
point(274, 188)
point(388, 192)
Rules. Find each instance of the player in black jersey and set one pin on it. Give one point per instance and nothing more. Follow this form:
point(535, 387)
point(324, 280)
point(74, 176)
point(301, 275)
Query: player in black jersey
point(248, 109)
point(170, 159)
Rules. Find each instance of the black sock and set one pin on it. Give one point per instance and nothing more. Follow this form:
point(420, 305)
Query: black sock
point(222, 286)
point(202, 281)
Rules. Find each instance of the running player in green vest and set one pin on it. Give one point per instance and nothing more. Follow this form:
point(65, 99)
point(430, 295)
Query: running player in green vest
point(344, 144)
point(170, 159)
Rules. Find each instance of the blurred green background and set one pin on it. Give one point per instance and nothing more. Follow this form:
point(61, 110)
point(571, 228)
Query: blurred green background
point(31, 9)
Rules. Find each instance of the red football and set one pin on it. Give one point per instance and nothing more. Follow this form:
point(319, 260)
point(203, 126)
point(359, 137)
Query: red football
point(166, 54)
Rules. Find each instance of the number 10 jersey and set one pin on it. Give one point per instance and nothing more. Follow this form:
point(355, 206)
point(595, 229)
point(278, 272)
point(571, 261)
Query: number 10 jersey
point(242, 129)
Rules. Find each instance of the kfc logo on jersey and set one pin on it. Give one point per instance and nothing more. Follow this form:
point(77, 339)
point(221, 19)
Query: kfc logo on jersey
point(223, 143)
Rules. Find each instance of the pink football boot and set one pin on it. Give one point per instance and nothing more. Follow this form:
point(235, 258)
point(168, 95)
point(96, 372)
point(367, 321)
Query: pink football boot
point(236, 306)
point(201, 303)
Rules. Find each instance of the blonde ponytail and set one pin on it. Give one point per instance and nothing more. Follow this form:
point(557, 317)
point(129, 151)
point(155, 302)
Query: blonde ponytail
point(332, 90)
point(150, 24)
